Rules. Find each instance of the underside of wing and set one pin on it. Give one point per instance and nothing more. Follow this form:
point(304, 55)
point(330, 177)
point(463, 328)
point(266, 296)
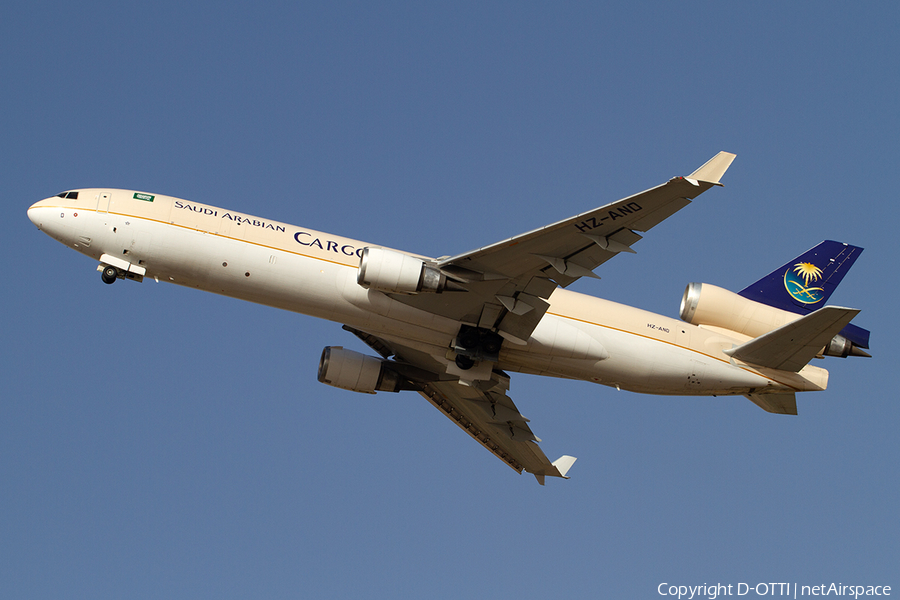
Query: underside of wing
point(492, 419)
point(505, 286)
point(482, 409)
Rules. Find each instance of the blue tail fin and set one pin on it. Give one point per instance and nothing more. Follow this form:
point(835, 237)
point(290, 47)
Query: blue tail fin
point(805, 283)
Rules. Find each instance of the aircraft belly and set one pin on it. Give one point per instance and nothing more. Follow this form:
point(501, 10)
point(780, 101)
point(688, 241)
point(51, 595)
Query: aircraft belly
point(644, 365)
point(679, 371)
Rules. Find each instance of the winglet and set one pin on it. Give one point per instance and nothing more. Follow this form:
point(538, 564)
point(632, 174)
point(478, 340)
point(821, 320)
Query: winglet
point(714, 168)
point(562, 465)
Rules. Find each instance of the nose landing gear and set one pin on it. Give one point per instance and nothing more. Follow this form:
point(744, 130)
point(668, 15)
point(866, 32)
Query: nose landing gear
point(109, 274)
point(113, 267)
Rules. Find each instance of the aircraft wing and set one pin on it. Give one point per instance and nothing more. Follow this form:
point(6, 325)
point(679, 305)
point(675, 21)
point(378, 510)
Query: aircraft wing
point(507, 284)
point(491, 418)
point(483, 410)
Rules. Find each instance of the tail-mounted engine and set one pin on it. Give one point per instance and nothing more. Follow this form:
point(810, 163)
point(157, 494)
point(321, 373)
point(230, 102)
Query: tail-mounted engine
point(357, 372)
point(711, 306)
point(398, 273)
point(842, 348)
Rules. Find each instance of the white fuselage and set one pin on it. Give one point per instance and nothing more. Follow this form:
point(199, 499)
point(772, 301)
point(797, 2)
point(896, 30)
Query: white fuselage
point(314, 273)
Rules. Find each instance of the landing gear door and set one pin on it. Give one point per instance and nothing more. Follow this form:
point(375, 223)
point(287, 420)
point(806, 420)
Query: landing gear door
point(103, 202)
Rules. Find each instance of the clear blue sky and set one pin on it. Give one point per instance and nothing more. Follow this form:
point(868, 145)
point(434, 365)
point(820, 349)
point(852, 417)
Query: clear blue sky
point(157, 442)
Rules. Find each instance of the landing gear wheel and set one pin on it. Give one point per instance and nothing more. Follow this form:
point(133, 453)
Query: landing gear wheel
point(469, 339)
point(109, 275)
point(491, 343)
point(464, 362)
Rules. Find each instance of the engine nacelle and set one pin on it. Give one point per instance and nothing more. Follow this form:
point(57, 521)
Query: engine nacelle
point(356, 372)
point(840, 347)
point(712, 306)
point(706, 304)
point(398, 273)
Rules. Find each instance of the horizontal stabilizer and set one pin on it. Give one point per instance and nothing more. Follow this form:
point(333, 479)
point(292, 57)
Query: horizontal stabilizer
point(792, 346)
point(780, 404)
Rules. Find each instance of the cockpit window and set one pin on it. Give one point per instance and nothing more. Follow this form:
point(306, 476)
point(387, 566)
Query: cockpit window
point(68, 195)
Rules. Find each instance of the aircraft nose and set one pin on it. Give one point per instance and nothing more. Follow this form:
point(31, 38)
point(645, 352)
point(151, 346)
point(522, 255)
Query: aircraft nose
point(40, 211)
point(34, 213)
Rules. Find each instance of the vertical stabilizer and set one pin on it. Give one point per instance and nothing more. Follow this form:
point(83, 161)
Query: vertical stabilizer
point(781, 404)
point(804, 284)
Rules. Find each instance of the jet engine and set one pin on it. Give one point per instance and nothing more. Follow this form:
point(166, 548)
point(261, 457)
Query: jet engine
point(356, 372)
point(842, 348)
point(711, 306)
point(398, 273)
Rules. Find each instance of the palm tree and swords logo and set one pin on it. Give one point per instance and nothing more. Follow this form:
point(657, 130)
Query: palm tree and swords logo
point(800, 282)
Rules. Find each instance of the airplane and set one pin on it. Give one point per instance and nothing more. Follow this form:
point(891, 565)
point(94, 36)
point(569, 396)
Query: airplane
point(452, 328)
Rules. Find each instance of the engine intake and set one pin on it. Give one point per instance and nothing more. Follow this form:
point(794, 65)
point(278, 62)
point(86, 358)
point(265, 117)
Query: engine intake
point(356, 372)
point(398, 273)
